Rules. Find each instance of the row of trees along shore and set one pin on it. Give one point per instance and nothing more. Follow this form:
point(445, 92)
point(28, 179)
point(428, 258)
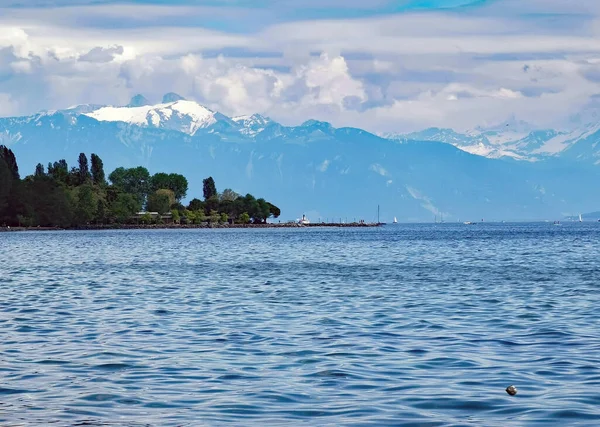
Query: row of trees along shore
point(57, 196)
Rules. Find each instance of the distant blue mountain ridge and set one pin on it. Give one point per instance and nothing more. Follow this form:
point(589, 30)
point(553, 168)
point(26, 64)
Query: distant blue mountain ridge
point(339, 174)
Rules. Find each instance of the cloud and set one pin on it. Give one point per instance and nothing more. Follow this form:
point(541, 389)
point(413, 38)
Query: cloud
point(377, 168)
point(382, 65)
point(426, 202)
point(101, 54)
point(323, 166)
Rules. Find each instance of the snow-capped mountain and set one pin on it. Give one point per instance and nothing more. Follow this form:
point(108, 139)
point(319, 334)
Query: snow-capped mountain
point(320, 170)
point(253, 124)
point(181, 115)
point(521, 144)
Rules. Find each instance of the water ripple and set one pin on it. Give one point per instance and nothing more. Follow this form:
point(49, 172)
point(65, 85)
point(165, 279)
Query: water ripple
point(416, 325)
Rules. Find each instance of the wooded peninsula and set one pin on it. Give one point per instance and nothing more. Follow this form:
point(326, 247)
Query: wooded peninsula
point(57, 196)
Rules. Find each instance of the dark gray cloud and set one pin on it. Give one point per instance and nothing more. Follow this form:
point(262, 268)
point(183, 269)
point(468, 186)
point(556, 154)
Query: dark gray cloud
point(101, 54)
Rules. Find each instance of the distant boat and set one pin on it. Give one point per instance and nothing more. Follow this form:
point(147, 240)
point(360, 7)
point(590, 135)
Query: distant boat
point(468, 223)
point(395, 220)
point(304, 220)
point(580, 219)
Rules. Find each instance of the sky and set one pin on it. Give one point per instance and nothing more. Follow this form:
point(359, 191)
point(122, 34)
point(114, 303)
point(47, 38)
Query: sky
point(382, 65)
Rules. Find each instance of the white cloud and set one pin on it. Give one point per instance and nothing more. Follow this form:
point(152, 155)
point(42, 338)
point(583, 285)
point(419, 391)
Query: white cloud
point(426, 202)
point(384, 73)
point(377, 168)
point(323, 166)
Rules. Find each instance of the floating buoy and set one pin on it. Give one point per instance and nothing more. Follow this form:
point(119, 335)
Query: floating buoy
point(512, 390)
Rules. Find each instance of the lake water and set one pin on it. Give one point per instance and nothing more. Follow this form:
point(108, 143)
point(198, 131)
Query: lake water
point(411, 325)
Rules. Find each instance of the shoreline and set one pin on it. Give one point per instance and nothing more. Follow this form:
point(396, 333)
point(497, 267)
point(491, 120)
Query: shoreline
point(188, 226)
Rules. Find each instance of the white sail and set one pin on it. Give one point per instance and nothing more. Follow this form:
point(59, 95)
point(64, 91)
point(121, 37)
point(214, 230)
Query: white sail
point(395, 220)
point(580, 219)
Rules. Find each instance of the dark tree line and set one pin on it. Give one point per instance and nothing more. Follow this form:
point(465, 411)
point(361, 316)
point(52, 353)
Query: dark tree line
point(63, 197)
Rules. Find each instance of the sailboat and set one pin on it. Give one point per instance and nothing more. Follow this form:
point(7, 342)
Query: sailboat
point(395, 220)
point(580, 219)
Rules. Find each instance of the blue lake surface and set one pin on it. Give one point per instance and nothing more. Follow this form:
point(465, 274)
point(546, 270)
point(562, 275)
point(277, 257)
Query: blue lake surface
point(411, 325)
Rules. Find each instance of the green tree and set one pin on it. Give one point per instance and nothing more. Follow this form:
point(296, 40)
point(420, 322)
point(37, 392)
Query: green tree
point(214, 217)
point(209, 188)
point(244, 218)
point(176, 216)
point(39, 171)
point(263, 211)
point(200, 217)
point(250, 205)
point(6, 183)
point(134, 181)
point(87, 204)
point(188, 217)
point(124, 206)
point(159, 202)
point(98, 176)
point(274, 210)
point(170, 195)
point(146, 218)
point(228, 195)
point(174, 182)
point(11, 161)
point(101, 211)
point(212, 204)
point(50, 202)
point(84, 169)
point(59, 171)
point(196, 205)
point(224, 218)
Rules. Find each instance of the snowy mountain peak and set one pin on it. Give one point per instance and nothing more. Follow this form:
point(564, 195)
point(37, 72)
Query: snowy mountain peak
point(252, 124)
point(172, 97)
point(138, 101)
point(183, 116)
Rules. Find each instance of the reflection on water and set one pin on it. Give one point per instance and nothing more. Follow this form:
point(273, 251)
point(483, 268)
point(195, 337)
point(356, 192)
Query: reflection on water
point(403, 325)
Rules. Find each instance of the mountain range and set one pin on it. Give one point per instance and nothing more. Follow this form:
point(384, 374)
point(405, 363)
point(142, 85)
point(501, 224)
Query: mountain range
point(505, 173)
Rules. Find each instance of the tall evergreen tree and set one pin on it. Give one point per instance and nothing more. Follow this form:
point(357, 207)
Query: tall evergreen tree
point(84, 169)
point(59, 171)
point(39, 171)
point(98, 176)
point(11, 161)
point(209, 188)
point(6, 183)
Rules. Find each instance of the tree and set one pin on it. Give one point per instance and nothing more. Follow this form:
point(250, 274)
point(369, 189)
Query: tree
point(224, 218)
point(6, 183)
point(262, 212)
point(11, 162)
point(214, 217)
point(274, 210)
point(174, 182)
point(47, 202)
point(39, 171)
point(124, 206)
point(228, 195)
point(87, 204)
point(175, 215)
point(211, 204)
point(101, 211)
point(196, 205)
point(209, 188)
point(134, 181)
point(159, 201)
point(170, 195)
point(146, 218)
point(84, 169)
point(250, 205)
point(98, 177)
point(59, 171)
point(245, 218)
